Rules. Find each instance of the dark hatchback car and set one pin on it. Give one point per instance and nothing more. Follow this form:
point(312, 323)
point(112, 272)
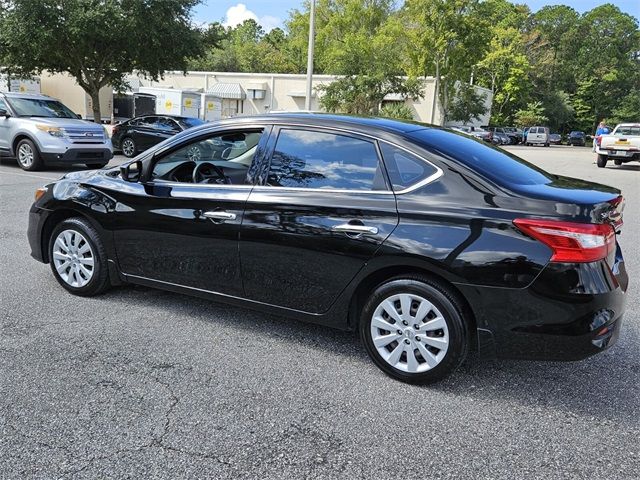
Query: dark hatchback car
point(576, 138)
point(428, 242)
point(141, 133)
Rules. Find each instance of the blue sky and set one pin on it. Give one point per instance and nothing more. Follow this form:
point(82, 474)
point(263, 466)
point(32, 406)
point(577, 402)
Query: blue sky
point(271, 13)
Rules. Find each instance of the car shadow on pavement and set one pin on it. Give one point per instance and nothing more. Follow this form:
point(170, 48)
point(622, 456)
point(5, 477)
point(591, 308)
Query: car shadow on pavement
point(605, 387)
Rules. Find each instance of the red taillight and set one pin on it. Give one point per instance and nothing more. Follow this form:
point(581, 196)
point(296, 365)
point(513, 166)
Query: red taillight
point(571, 242)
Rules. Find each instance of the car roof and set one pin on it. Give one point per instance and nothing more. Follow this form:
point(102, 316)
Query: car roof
point(329, 120)
point(34, 96)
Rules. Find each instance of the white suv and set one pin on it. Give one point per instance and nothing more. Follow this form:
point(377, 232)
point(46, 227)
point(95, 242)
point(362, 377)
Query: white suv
point(38, 130)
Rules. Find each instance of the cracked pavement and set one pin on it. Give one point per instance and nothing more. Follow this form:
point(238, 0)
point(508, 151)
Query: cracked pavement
point(140, 383)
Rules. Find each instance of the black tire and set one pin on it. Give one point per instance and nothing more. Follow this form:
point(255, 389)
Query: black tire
point(99, 281)
point(602, 161)
point(25, 145)
point(95, 166)
point(127, 151)
point(443, 300)
point(546, 144)
point(617, 162)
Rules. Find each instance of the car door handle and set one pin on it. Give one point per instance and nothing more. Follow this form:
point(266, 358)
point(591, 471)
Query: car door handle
point(356, 229)
point(219, 215)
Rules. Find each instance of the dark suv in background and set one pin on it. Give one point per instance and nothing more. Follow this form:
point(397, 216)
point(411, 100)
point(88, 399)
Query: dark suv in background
point(577, 138)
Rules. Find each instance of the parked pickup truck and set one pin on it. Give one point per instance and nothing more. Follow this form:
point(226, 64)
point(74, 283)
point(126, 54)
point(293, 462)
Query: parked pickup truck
point(621, 146)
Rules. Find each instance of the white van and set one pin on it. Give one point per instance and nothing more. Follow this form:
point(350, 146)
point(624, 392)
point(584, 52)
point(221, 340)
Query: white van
point(538, 135)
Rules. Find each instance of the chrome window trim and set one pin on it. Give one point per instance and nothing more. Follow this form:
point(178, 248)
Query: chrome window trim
point(430, 179)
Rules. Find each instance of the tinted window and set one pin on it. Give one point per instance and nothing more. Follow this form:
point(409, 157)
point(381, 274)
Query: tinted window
point(3, 106)
point(404, 168)
point(628, 130)
point(167, 124)
point(148, 122)
point(190, 122)
point(308, 159)
point(495, 164)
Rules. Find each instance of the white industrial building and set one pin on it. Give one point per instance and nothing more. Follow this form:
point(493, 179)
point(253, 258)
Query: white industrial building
point(214, 95)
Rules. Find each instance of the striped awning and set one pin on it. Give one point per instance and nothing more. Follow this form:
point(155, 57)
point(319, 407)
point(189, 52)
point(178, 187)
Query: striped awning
point(227, 90)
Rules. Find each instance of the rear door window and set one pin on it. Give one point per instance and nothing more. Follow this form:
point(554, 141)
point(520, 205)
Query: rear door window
point(318, 159)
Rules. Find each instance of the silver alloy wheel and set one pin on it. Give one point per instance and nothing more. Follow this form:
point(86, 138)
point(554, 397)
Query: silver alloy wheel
point(194, 153)
point(128, 147)
point(25, 155)
point(73, 258)
point(409, 333)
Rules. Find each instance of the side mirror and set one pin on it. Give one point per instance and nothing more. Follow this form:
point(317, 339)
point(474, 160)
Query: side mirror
point(4, 113)
point(132, 171)
point(79, 116)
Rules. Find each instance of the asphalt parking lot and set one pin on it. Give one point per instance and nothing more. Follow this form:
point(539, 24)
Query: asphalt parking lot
point(140, 383)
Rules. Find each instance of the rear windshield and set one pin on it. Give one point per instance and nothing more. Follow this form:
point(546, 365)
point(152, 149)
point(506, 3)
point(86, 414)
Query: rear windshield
point(628, 130)
point(495, 164)
point(189, 122)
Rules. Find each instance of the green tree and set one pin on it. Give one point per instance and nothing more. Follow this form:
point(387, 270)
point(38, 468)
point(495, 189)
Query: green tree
point(99, 42)
point(628, 110)
point(397, 110)
point(467, 104)
point(439, 38)
point(533, 114)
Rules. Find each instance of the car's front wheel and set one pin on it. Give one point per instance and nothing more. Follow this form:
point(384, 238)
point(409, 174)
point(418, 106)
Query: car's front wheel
point(414, 330)
point(129, 147)
point(28, 156)
point(78, 258)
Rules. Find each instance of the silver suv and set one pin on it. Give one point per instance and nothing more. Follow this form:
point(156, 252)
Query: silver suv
point(38, 130)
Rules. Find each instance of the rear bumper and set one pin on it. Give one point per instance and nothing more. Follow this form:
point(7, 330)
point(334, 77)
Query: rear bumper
point(78, 155)
point(570, 312)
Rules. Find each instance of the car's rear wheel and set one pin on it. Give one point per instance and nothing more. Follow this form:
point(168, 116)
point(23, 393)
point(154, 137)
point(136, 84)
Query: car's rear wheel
point(129, 147)
point(78, 258)
point(28, 155)
point(617, 162)
point(602, 161)
point(413, 329)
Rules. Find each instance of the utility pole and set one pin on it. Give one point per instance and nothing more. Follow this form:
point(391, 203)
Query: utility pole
point(312, 21)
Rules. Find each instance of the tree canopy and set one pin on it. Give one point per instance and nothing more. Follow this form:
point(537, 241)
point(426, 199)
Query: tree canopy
point(99, 42)
point(577, 69)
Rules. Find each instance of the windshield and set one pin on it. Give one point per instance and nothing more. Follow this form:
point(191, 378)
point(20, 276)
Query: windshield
point(190, 122)
point(40, 107)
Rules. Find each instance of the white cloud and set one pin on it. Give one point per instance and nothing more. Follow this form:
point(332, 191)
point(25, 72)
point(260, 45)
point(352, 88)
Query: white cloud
point(239, 13)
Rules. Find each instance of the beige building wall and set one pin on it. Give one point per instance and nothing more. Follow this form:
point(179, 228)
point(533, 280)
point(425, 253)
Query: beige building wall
point(285, 91)
point(66, 89)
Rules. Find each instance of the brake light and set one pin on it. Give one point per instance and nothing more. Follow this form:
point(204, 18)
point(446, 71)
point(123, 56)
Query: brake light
point(571, 242)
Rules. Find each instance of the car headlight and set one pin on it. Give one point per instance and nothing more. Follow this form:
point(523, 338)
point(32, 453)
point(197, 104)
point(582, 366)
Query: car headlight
point(53, 131)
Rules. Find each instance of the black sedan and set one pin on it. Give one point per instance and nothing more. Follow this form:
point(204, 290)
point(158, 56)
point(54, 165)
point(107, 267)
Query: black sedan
point(429, 243)
point(141, 133)
point(576, 138)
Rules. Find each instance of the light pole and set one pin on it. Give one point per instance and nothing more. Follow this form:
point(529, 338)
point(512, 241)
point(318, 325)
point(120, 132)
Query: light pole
point(312, 21)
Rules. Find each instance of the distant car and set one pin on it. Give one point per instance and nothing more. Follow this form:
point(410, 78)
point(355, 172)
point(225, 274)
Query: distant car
point(577, 138)
point(40, 131)
point(501, 138)
point(141, 133)
point(555, 139)
point(502, 132)
point(482, 134)
point(514, 133)
point(621, 146)
point(538, 136)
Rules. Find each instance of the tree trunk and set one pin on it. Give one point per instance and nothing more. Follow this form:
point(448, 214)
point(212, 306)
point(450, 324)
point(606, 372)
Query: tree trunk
point(95, 105)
